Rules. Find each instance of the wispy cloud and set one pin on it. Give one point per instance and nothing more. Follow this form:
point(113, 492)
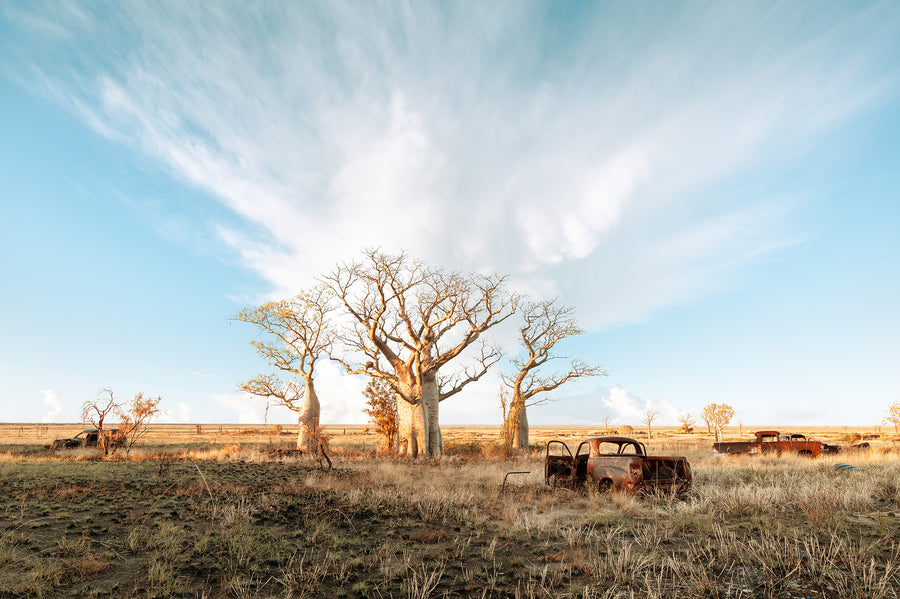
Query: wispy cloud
point(572, 150)
point(205, 375)
point(54, 401)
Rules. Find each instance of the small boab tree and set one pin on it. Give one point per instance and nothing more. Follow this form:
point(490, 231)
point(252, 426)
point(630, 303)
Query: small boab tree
point(544, 325)
point(893, 415)
point(298, 333)
point(724, 414)
point(382, 412)
point(718, 416)
point(647, 418)
point(409, 320)
point(708, 416)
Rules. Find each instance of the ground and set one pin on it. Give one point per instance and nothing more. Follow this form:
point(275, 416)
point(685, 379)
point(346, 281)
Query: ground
point(214, 514)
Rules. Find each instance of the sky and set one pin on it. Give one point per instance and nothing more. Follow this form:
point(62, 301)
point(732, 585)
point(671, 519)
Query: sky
point(713, 187)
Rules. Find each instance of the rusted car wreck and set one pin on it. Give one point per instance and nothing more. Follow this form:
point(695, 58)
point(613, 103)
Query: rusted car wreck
point(90, 438)
point(615, 463)
point(775, 442)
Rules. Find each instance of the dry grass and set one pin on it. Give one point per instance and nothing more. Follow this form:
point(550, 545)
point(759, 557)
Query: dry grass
point(224, 519)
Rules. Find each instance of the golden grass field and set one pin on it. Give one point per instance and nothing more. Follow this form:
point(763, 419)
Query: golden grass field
point(214, 514)
point(358, 436)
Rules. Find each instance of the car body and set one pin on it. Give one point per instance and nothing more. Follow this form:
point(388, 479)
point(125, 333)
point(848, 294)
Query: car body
point(89, 437)
point(615, 463)
point(775, 442)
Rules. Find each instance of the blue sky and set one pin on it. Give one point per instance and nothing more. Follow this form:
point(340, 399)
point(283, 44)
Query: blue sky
point(714, 188)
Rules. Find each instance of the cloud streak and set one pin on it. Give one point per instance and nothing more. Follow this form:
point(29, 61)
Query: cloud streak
point(546, 144)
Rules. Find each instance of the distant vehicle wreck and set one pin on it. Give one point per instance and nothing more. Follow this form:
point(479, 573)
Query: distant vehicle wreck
point(775, 442)
point(89, 438)
point(615, 463)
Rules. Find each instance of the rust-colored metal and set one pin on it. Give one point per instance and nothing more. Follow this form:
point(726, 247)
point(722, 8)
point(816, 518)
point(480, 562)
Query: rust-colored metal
point(503, 486)
point(777, 443)
point(89, 438)
point(615, 463)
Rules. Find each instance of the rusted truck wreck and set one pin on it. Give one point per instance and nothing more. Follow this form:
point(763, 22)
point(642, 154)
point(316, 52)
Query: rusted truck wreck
point(615, 463)
point(775, 442)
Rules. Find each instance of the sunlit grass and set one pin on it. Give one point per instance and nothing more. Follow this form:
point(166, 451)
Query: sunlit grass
point(229, 519)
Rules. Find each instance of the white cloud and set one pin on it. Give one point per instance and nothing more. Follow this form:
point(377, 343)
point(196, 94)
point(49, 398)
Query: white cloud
point(184, 412)
point(54, 401)
point(630, 409)
point(471, 139)
point(341, 397)
point(242, 408)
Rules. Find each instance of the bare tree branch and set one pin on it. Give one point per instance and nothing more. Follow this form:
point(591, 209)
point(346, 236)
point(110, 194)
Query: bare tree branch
point(296, 333)
point(544, 325)
point(410, 320)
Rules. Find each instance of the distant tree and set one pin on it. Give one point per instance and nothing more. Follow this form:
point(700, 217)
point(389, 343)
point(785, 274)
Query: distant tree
point(504, 411)
point(893, 415)
point(544, 325)
point(708, 415)
point(298, 334)
point(382, 411)
point(96, 412)
point(724, 414)
point(135, 418)
point(717, 416)
point(687, 421)
point(649, 416)
point(606, 420)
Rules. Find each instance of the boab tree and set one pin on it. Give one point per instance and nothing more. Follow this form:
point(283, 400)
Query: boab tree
point(647, 418)
point(718, 416)
point(298, 334)
point(544, 325)
point(409, 321)
point(893, 415)
point(708, 416)
point(724, 414)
